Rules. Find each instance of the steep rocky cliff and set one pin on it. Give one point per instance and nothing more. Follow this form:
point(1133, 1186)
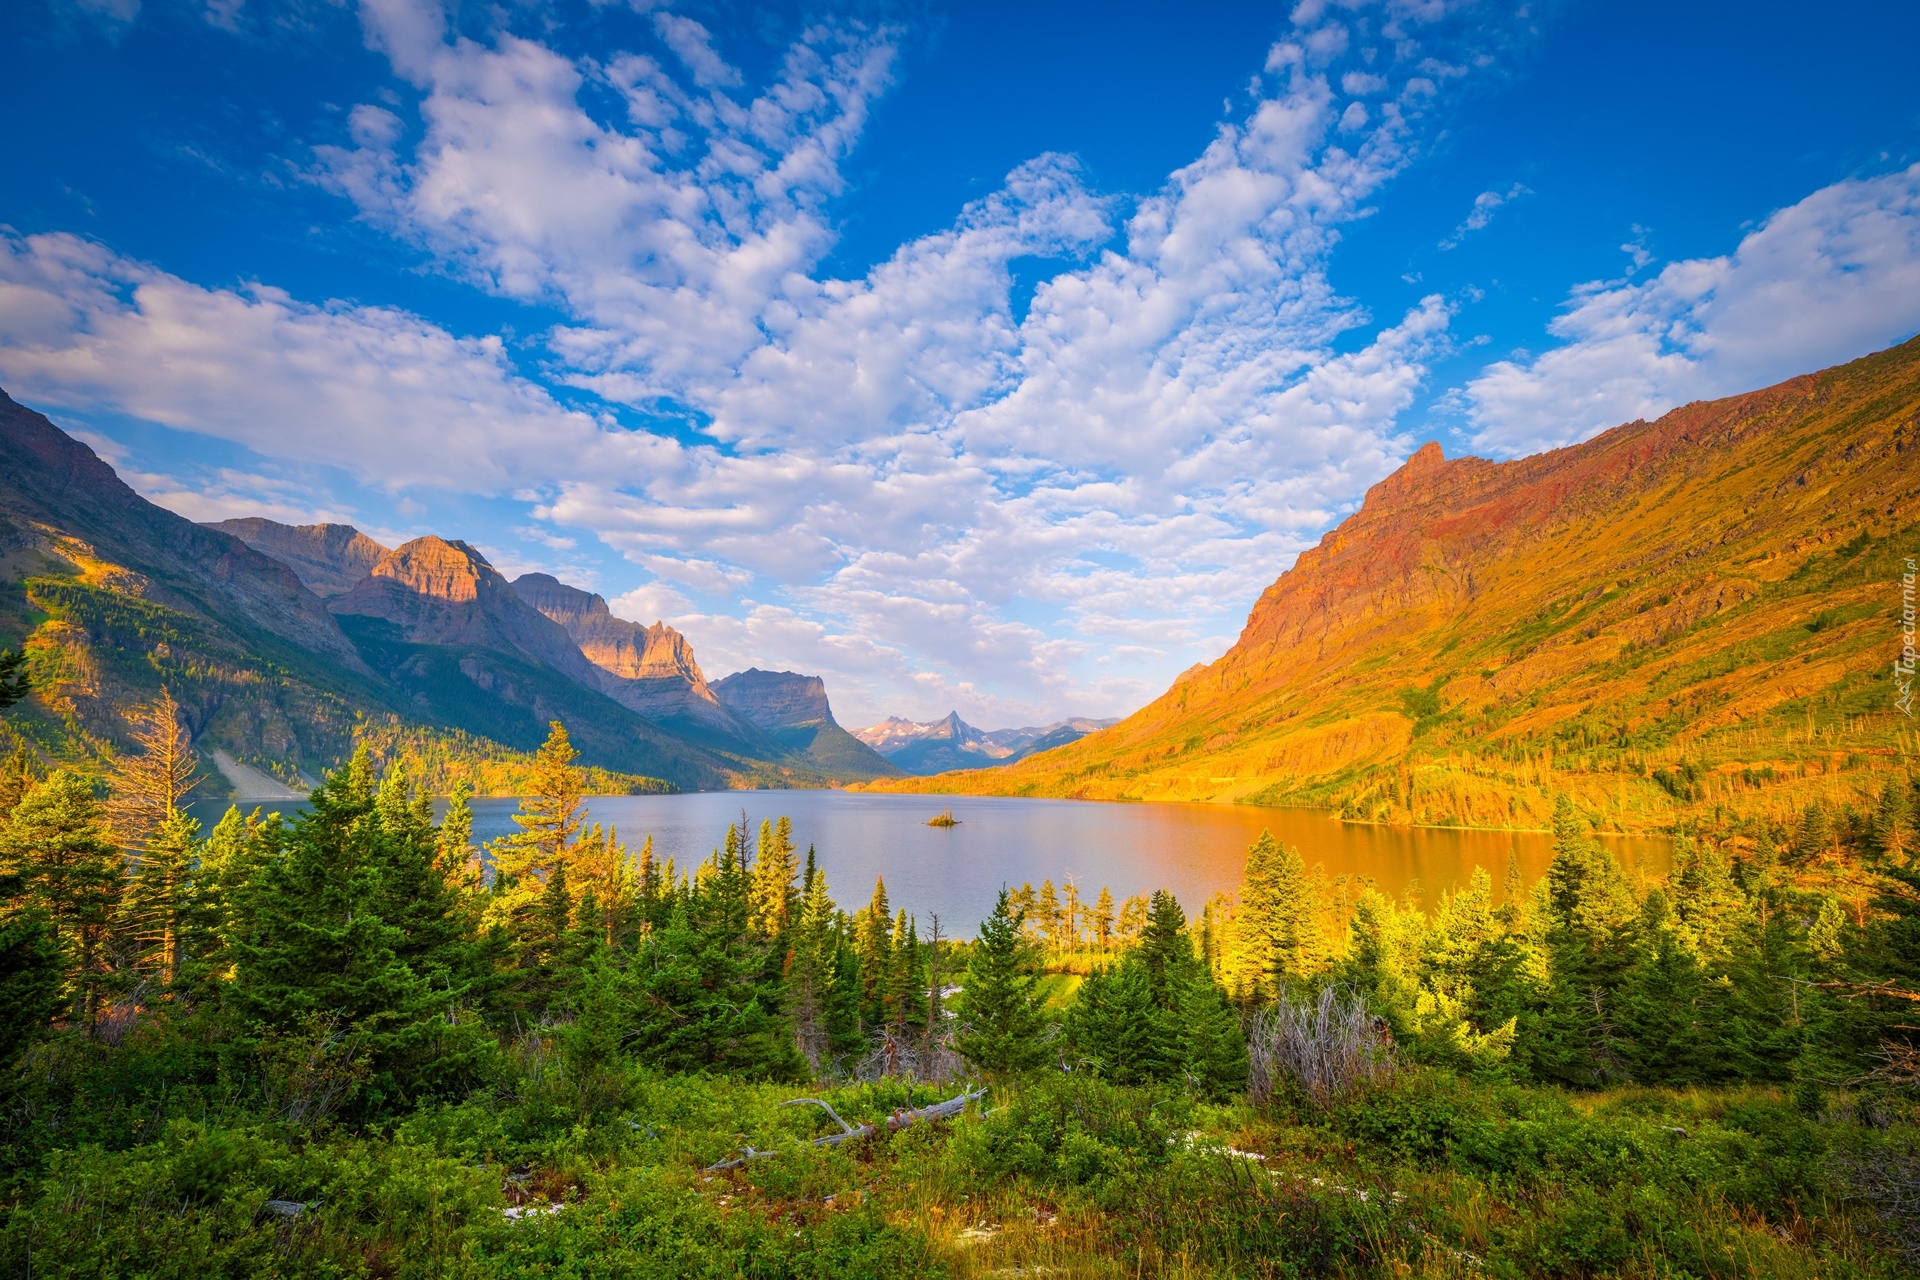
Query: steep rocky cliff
point(1673, 614)
point(329, 558)
point(793, 709)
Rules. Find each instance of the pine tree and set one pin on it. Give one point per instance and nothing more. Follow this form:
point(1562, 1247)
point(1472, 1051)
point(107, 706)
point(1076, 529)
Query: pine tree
point(1100, 919)
point(1590, 916)
point(31, 967)
point(345, 925)
point(148, 785)
point(1814, 834)
point(1046, 911)
point(907, 988)
point(1275, 926)
point(1114, 1027)
point(57, 847)
point(1890, 835)
point(773, 880)
point(159, 907)
point(20, 772)
point(549, 819)
point(873, 940)
point(1659, 1003)
point(1001, 1022)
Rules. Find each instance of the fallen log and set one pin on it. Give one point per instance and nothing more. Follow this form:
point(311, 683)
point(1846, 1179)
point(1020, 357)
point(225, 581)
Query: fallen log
point(901, 1119)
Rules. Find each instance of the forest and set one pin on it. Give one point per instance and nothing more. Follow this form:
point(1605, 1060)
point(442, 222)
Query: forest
point(349, 1042)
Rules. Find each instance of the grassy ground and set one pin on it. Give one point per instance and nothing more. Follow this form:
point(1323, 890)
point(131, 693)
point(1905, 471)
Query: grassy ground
point(602, 1174)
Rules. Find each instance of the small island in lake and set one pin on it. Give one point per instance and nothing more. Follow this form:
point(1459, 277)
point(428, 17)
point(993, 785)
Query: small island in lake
point(945, 819)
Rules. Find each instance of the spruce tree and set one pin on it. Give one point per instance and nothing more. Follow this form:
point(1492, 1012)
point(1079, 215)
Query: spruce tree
point(56, 846)
point(31, 967)
point(1001, 1022)
point(160, 912)
point(1114, 1027)
point(1659, 1003)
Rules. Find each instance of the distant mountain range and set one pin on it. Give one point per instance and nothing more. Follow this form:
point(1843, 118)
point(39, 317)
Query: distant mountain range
point(1681, 616)
point(937, 746)
point(283, 641)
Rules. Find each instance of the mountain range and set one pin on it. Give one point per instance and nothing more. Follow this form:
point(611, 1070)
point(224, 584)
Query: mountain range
point(1675, 615)
point(936, 746)
point(285, 643)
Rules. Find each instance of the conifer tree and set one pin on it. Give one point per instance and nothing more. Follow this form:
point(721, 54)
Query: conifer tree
point(1276, 923)
point(549, 818)
point(1046, 916)
point(873, 940)
point(31, 966)
point(1890, 836)
point(1115, 1028)
point(907, 994)
point(20, 772)
point(1001, 1022)
point(1589, 920)
point(344, 926)
point(773, 880)
point(1659, 1002)
point(57, 847)
point(148, 784)
point(159, 911)
point(1100, 919)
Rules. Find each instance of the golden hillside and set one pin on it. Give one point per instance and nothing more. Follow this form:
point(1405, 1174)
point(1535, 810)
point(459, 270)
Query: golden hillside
point(1696, 612)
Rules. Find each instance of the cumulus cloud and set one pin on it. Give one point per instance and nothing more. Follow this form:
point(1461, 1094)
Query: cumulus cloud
point(1819, 282)
point(373, 389)
point(903, 486)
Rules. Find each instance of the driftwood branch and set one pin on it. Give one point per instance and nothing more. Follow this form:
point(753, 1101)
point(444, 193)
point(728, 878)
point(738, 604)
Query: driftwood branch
point(902, 1119)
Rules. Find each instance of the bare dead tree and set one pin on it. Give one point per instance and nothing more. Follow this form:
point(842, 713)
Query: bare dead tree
point(1330, 1048)
point(147, 785)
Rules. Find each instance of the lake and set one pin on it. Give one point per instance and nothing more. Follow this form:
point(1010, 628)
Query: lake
point(1192, 849)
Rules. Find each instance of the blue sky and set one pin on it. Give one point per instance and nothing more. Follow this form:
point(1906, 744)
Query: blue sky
point(985, 356)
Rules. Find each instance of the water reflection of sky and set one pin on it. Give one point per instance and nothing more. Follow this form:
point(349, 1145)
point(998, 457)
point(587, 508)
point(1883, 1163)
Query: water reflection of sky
point(1192, 849)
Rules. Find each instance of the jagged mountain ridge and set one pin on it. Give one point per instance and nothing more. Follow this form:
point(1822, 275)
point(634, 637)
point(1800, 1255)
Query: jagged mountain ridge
point(329, 558)
point(438, 596)
point(793, 708)
point(1662, 617)
point(936, 746)
point(113, 596)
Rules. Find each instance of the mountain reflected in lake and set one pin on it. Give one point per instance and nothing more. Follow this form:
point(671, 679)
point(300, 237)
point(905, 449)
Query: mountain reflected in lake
point(1192, 849)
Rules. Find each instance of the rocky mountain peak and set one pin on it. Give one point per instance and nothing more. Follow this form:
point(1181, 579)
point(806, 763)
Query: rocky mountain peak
point(776, 699)
point(329, 558)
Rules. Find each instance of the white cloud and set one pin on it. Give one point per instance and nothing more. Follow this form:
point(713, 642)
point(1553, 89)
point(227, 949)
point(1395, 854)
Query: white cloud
point(1819, 282)
point(379, 391)
point(1482, 212)
point(909, 491)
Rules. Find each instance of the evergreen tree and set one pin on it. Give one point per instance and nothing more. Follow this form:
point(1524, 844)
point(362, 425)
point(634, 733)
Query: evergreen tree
point(20, 772)
point(907, 993)
point(56, 848)
point(160, 912)
point(1275, 925)
point(1100, 919)
point(773, 880)
point(1001, 1022)
point(1890, 836)
point(1114, 1027)
point(31, 966)
point(1814, 834)
point(549, 819)
point(1659, 1003)
point(1589, 915)
point(873, 940)
point(336, 922)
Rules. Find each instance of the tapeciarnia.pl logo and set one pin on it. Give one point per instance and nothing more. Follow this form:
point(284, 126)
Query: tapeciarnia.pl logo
point(1904, 664)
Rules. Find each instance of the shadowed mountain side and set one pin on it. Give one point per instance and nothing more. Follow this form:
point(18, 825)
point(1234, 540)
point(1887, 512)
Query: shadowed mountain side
point(330, 558)
point(56, 486)
point(113, 597)
point(793, 709)
point(649, 670)
point(1659, 619)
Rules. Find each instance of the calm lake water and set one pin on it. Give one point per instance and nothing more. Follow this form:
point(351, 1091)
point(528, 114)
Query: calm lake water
point(1192, 849)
